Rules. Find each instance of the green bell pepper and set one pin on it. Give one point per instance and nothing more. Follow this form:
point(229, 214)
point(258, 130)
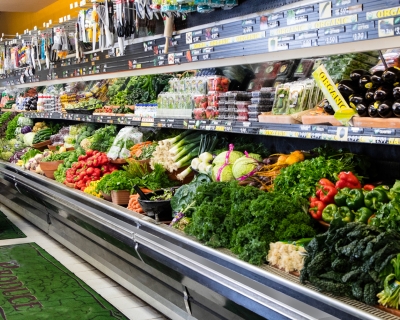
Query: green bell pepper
point(329, 212)
point(391, 195)
point(345, 214)
point(375, 198)
point(355, 199)
point(362, 215)
point(341, 196)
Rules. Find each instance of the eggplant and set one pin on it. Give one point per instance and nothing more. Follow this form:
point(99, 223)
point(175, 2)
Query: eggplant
point(369, 95)
point(356, 75)
point(391, 75)
point(382, 94)
point(396, 108)
point(328, 108)
point(373, 110)
point(377, 78)
point(346, 88)
point(385, 109)
point(356, 99)
point(396, 92)
point(362, 110)
point(366, 82)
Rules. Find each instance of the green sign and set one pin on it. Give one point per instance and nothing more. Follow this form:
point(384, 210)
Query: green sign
point(33, 285)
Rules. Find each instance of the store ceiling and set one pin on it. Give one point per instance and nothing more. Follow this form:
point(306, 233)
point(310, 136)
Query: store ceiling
point(23, 5)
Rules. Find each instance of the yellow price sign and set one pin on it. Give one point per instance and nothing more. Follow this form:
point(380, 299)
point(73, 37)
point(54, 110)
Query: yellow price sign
point(219, 128)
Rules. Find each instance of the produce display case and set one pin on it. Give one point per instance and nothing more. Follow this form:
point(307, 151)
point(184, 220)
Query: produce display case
point(168, 269)
point(176, 274)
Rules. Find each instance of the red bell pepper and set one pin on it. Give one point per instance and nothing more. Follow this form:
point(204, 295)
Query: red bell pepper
point(368, 187)
point(326, 194)
point(326, 182)
point(349, 180)
point(316, 208)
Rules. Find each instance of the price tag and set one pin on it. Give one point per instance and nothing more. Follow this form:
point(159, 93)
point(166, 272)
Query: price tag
point(219, 128)
point(386, 28)
point(394, 141)
point(147, 124)
point(331, 40)
point(352, 138)
point(248, 30)
point(381, 140)
point(359, 36)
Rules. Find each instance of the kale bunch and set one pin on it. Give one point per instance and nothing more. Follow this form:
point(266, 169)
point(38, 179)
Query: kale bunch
point(246, 219)
point(350, 260)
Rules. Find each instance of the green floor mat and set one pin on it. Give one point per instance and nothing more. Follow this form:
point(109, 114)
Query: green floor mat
point(8, 230)
point(33, 285)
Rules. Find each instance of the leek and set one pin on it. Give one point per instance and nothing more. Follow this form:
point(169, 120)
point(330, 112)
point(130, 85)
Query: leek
point(178, 137)
point(188, 140)
point(184, 150)
point(187, 158)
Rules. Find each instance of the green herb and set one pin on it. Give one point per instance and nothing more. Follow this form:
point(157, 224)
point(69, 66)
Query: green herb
point(117, 180)
point(58, 156)
point(300, 178)
point(147, 152)
point(103, 138)
point(12, 125)
point(167, 195)
point(60, 173)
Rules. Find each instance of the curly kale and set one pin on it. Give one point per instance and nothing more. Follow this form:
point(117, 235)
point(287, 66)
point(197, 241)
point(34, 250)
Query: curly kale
point(246, 220)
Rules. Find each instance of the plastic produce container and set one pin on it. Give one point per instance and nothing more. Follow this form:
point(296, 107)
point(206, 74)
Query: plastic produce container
point(200, 101)
point(264, 93)
point(264, 101)
point(259, 108)
point(242, 118)
point(218, 83)
point(231, 107)
point(237, 95)
point(199, 114)
point(211, 113)
point(213, 98)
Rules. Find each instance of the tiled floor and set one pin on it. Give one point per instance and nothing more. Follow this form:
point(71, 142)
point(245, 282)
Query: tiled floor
point(122, 299)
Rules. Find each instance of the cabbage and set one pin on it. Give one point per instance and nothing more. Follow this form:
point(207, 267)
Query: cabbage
point(243, 166)
point(226, 174)
point(28, 138)
point(220, 159)
point(22, 122)
point(254, 156)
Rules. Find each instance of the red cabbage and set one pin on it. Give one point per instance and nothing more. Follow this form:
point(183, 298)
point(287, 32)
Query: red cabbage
point(26, 129)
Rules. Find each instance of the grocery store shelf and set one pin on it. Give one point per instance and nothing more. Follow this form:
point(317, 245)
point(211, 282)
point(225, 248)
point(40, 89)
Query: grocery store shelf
point(137, 249)
point(378, 136)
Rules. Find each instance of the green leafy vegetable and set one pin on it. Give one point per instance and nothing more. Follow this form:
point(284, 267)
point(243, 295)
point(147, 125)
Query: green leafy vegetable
point(246, 220)
point(300, 178)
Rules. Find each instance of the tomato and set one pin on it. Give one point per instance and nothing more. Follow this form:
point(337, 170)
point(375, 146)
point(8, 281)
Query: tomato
point(95, 152)
point(89, 152)
point(89, 171)
point(69, 180)
point(82, 174)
